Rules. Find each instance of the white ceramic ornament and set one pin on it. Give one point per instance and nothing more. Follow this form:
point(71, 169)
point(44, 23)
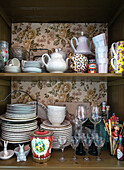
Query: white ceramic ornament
point(21, 154)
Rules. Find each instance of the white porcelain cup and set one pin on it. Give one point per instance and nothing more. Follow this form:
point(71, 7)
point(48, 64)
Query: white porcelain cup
point(103, 65)
point(56, 114)
point(14, 62)
point(99, 40)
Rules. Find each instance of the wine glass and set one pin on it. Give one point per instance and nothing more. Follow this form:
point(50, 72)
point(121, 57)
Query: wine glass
point(62, 140)
point(87, 141)
point(74, 143)
point(81, 114)
point(99, 143)
point(95, 116)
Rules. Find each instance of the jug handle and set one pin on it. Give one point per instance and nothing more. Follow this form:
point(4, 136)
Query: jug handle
point(113, 50)
point(112, 63)
point(74, 38)
point(43, 57)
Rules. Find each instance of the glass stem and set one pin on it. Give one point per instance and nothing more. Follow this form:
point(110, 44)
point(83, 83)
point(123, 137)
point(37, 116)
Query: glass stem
point(86, 152)
point(62, 152)
point(74, 152)
point(98, 152)
point(94, 127)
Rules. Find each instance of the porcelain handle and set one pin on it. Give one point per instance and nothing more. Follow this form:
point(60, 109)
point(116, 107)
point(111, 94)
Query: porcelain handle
point(72, 45)
point(113, 65)
point(43, 59)
point(113, 50)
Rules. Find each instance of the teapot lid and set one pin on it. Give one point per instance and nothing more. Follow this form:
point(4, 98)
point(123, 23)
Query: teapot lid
point(56, 54)
point(82, 37)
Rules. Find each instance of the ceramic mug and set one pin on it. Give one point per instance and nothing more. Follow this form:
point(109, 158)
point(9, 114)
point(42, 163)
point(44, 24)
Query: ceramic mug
point(117, 56)
point(14, 62)
point(99, 40)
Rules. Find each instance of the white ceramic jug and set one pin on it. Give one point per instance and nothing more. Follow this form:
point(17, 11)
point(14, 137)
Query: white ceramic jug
point(56, 63)
point(83, 45)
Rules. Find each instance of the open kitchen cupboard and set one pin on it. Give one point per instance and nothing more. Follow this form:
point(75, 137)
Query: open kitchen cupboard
point(115, 82)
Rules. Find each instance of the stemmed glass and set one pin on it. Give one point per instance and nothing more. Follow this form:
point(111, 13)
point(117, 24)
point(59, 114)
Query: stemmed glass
point(81, 114)
point(74, 143)
point(62, 140)
point(99, 143)
point(87, 141)
point(95, 116)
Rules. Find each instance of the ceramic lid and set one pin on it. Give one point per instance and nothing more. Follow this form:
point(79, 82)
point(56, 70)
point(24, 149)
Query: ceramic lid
point(41, 133)
point(82, 37)
point(56, 54)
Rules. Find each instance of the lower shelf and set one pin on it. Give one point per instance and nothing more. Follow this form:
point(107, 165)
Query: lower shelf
point(108, 162)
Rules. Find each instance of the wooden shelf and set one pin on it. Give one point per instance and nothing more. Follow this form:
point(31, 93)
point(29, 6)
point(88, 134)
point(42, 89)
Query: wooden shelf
point(108, 162)
point(60, 76)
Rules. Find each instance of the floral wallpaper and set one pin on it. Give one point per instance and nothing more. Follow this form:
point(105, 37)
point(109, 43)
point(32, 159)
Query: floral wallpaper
point(54, 35)
point(49, 92)
point(51, 36)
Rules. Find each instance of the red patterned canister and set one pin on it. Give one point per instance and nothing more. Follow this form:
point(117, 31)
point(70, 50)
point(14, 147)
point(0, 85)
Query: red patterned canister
point(41, 143)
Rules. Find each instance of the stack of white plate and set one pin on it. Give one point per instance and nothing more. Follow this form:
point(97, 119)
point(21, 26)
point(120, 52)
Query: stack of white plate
point(18, 122)
point(32, 67)
point(65, 129)
point(20, 111)
point(17, 132)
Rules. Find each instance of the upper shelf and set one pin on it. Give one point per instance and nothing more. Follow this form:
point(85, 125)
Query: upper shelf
point(61, 76)
point(60, 11)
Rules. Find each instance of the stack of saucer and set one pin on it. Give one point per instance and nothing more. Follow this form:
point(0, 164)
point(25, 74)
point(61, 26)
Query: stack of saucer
point(32, 67)
point(65, 129)
point(20, 111)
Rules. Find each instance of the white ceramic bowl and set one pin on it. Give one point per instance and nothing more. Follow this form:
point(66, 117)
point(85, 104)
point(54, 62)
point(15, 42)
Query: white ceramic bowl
point(56, 114)
point(12, 69)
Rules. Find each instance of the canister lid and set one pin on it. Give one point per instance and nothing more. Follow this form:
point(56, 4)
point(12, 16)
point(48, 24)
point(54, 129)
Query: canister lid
point(41, 133)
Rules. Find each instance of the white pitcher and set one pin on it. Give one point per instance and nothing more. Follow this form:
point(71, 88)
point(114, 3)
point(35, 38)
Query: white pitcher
point(83, 45)
point(56, 63)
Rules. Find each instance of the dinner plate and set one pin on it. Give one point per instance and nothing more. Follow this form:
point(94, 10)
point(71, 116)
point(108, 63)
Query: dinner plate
point(19, 116)
point(42, 110)
point(56, 128)
point(20, 106)
point(21, 111)
point(14, 142)
point(65, 123)
point(2, 117)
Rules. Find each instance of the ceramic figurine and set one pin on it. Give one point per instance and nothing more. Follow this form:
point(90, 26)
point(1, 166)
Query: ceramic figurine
point(21, 154)
point(5, 152)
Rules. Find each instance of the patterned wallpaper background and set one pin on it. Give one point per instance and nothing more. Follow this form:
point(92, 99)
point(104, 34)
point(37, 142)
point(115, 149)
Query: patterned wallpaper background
point(52, 36)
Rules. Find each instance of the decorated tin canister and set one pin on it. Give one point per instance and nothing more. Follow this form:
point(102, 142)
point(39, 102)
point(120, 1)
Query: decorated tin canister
point(41, 143)
point(4, 50)
point(92, 66)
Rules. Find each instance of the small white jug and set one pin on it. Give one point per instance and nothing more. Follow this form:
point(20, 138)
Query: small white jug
point(83, 45)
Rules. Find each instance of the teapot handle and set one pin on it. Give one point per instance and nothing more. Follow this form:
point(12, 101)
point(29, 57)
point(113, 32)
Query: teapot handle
point(72, 45)
point(43, 59)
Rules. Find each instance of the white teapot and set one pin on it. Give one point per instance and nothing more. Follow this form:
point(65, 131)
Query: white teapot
point(56, 63)
point(83, 45)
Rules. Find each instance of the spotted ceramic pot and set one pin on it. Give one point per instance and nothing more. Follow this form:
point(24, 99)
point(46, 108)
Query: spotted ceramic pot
point(79, 62)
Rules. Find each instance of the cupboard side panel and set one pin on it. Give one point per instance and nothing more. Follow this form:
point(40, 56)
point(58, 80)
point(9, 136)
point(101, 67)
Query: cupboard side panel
point(116, 29)
point(5, 31)
point(5, 89)
point(116, 100)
